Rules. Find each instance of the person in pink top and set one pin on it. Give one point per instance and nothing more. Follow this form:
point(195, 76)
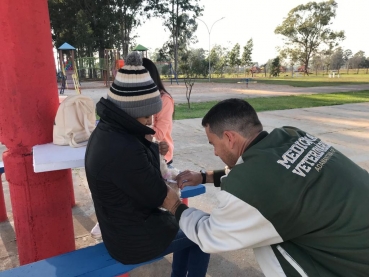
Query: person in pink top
point(162, 121)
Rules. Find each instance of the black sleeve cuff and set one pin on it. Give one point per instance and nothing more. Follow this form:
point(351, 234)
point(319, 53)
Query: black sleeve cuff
point(216, 176)
point(180, 210)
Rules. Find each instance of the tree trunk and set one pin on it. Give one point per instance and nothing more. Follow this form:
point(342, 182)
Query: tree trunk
point(189, 84)
point(306, 71)
point(176, 43)
point(126, 27)
point(291, 70)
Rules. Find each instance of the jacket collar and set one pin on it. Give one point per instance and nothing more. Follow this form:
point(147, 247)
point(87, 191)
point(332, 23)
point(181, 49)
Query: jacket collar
point(119, 119)
point(260, 137)
point(256, 140)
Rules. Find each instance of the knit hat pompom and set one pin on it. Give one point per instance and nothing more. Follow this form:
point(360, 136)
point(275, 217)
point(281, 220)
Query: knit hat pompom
point(133, 90)
point(133, 58)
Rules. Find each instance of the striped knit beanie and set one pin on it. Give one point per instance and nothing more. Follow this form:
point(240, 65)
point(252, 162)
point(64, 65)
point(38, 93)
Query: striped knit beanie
point(133, 90)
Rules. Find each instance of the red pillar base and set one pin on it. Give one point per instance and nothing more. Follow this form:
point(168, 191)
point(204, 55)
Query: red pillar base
point(71, 188)
point(41, 209)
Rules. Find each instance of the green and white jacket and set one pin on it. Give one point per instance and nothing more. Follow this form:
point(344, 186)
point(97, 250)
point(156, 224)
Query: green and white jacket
point(299, 203)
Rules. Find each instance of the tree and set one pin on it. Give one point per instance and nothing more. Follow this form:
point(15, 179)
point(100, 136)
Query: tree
point(264, 67)
point(246, 59)
point(292, 57)
point(234, 57)
point(128, 12)
point(347, 54)
point(306, 28)
point(337, 60)
point(179, 18)
point(219, 59)
point(366, 64)
point(275, 67)
point(185, 39)
point(188, 59)
point(327, 59)
point(317, 62)
point(267, 67)
point(91, 25)
point(95, 25)
point(195, 58)
point(165, 70)
point(358, 60)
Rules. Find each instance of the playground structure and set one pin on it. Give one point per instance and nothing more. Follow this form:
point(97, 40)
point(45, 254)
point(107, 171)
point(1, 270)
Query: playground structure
point(73, 69)
point(69, 68)
point(142, 49)
point(104, 68)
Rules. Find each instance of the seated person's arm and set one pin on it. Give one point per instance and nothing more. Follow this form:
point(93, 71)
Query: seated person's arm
point(134, 173)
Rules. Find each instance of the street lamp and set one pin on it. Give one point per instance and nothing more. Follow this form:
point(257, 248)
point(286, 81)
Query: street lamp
point(209, 31)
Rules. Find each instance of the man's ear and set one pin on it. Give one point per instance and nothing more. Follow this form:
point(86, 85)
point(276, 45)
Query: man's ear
point(230, 137)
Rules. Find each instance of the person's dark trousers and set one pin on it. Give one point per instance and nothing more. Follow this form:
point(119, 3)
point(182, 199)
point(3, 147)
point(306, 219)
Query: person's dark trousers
point(188, 259)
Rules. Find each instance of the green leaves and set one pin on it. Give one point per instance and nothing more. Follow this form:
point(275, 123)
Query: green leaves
point(179, 18)
point(246, 59)
point(306, 29)
point(275, 67)
point(93, 25)
point(234, 56)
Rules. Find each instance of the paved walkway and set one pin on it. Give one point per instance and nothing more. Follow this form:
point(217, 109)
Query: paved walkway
point(345, 127)
point(214, 91)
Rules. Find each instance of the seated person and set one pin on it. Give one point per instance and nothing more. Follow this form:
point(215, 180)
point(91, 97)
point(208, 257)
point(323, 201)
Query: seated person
point(123, 173)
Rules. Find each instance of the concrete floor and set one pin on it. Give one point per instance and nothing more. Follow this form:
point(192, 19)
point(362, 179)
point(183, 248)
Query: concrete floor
point(345, 127)
point(202, 92)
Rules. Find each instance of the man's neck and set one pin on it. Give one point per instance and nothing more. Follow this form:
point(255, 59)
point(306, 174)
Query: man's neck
point(247, 143)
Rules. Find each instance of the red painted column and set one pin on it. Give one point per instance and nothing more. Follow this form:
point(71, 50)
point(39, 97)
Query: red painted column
point(28, 103)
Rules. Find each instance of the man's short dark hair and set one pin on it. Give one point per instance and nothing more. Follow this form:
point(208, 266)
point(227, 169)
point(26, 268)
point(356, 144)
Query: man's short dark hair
point(232, 115)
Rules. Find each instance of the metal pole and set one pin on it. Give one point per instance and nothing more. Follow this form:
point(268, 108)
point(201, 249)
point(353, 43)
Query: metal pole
point(209, 31)
point(209, 60)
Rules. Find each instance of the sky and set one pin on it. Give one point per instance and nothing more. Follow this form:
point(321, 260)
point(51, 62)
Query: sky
point(245, 19)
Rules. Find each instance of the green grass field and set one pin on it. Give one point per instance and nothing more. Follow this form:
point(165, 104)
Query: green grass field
point(279, 103)
point(317, 81)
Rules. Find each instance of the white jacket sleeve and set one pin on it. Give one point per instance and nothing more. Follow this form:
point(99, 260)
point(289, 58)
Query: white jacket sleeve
point(232, 225)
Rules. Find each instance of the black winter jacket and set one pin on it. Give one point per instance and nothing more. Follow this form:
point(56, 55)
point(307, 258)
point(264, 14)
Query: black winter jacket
point(123, 174)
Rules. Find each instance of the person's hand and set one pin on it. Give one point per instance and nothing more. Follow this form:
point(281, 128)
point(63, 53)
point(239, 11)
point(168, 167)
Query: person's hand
point(188, 178)
point(172, 201)
point(149, 137)
point(163, 148)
